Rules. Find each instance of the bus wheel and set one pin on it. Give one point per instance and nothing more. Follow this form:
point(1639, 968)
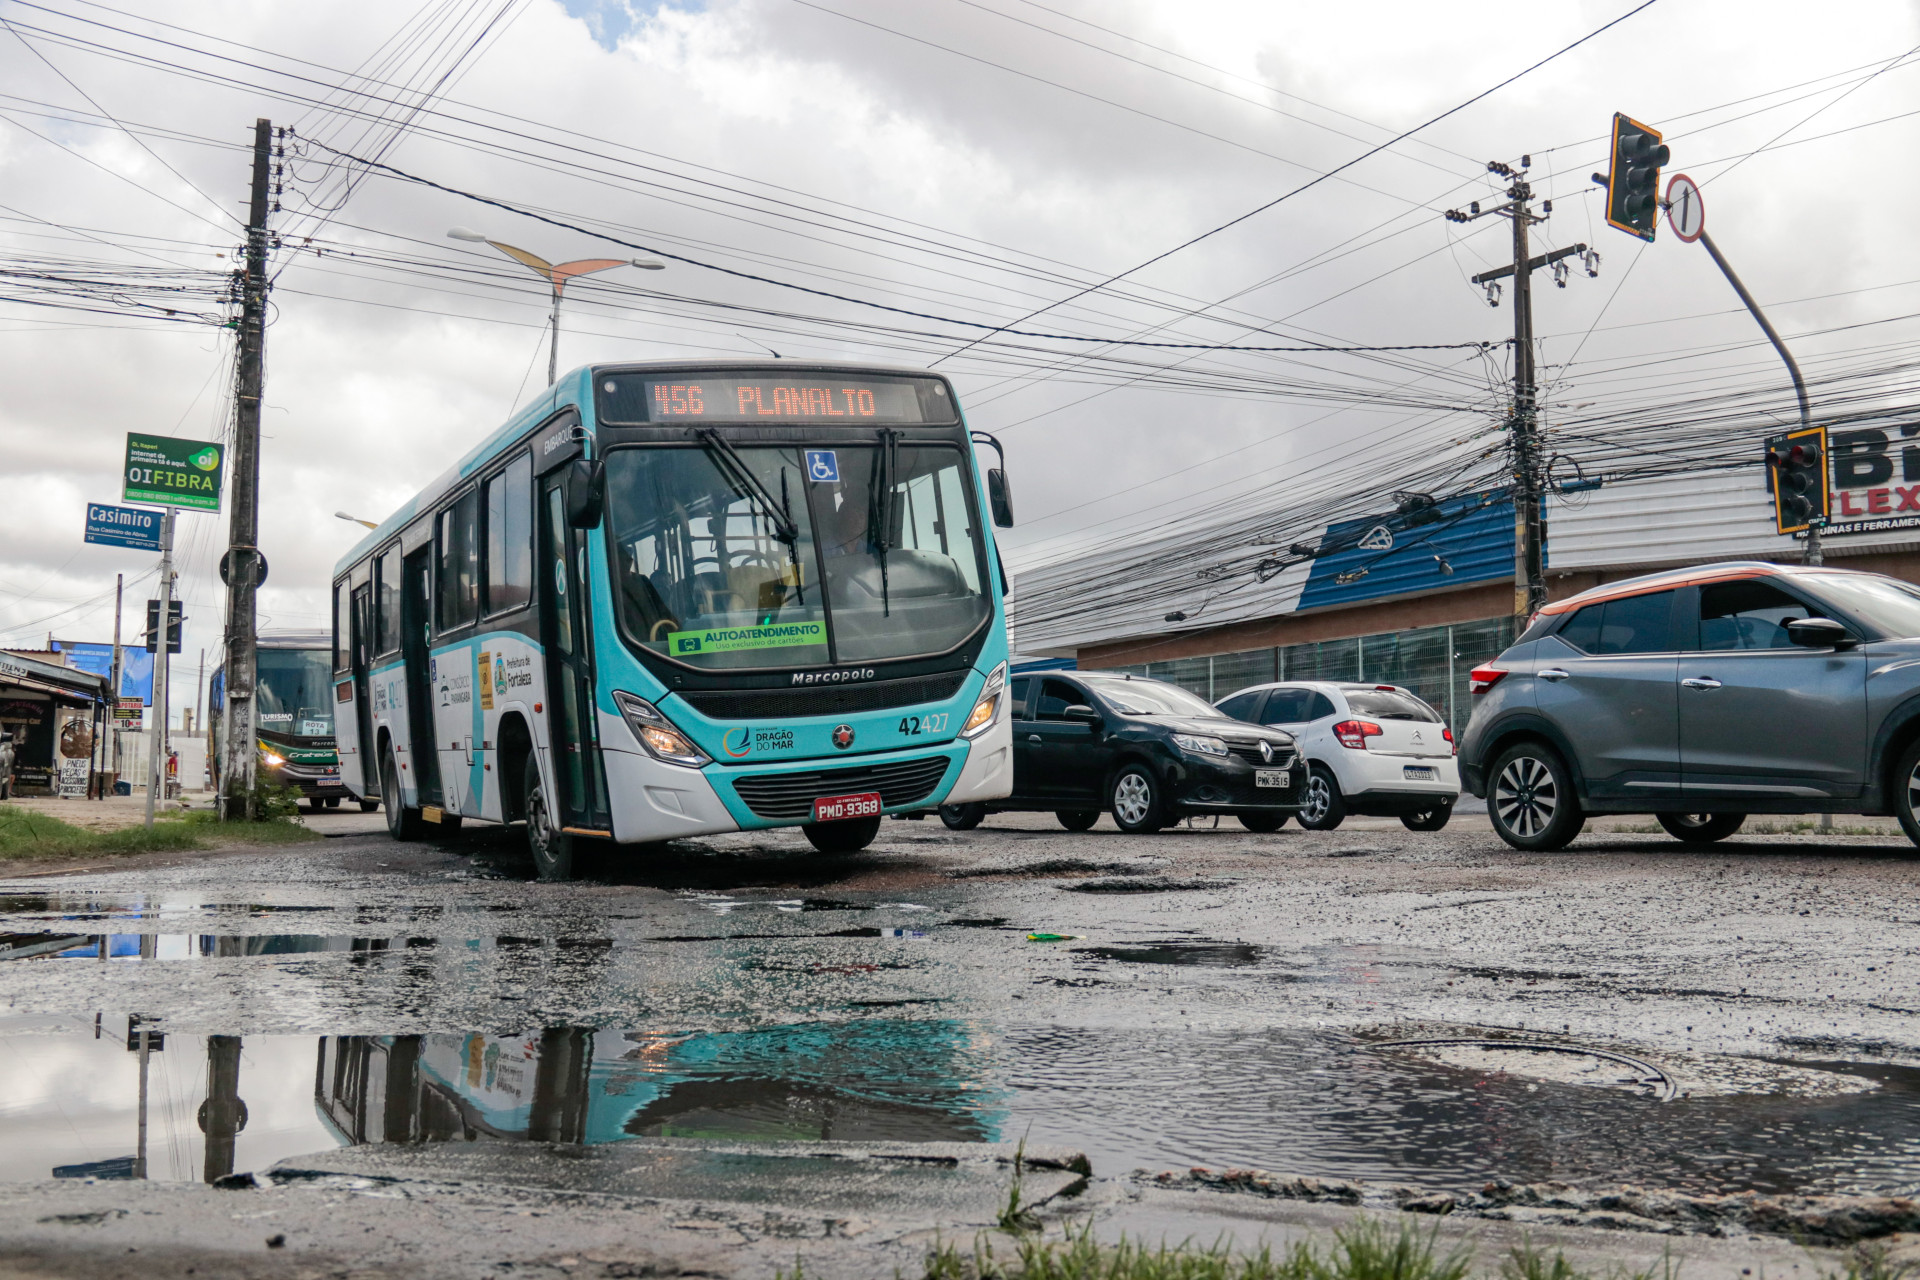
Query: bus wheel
point(963, 817)
point(333, 802)
point(402, 823)
point(849, 836)
point(368, 806)
point(552, 848)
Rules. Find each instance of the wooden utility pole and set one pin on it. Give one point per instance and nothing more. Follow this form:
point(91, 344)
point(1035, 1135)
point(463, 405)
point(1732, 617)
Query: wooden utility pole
point(238, 751)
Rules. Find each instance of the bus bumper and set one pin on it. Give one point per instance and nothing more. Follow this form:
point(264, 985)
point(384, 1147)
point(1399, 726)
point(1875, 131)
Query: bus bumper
point(656, 801)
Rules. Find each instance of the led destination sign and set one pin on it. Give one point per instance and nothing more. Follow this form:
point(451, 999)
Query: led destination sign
point(848, 400)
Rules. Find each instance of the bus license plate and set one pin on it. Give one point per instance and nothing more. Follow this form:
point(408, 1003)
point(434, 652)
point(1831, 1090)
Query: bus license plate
point(1270, 778)
point(330, 779)
point(840, 808)
point(1419, 772)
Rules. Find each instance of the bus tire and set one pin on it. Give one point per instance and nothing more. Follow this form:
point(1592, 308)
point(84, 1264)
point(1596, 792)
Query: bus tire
point(848, 836)
point(402, 823)
point(333, 802)
point(963, 817)
point(1077, 819)
point(552, 848)
point(368, 806)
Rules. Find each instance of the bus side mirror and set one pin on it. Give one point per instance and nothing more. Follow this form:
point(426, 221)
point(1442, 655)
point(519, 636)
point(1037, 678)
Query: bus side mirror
point(586, 492)
point(1000, 497)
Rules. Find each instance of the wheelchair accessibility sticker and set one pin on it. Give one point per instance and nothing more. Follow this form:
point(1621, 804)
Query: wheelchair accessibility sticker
point(823, 466)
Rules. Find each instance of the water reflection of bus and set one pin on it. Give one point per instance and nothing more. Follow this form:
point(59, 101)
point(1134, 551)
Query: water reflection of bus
point(673, 600)
point(869, 1082)
point(295, 717)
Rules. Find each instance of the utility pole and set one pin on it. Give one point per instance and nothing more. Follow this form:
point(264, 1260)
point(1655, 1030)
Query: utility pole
point(1529, 468)
point(119, 586)
point(163, 636)
point(237, 742)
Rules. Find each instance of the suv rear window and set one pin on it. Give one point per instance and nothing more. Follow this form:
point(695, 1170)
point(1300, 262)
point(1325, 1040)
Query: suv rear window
point(1382, 705)
point(1630, 624)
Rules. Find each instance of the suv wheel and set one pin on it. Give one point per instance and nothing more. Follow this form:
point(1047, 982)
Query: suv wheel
point(1531, 802)
point(1700, 828)
point(1323, 807)
point(1906, 792)
point(1078, 819)
point(1135, 801)
point(963, 817)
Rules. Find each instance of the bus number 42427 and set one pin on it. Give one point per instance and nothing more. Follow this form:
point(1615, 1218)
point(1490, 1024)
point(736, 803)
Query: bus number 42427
point(914, 726)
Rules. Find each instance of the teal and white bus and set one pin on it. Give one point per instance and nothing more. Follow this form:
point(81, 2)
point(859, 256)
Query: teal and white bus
point(671, 600)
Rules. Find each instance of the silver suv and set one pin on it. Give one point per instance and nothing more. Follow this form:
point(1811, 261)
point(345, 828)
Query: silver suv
point(1701, 696)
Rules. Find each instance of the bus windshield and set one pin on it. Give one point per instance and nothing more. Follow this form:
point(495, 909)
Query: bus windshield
point(753, 556)
point(296, 692)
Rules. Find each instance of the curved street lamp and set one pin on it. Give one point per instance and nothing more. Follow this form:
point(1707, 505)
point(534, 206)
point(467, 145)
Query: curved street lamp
point(557, 275)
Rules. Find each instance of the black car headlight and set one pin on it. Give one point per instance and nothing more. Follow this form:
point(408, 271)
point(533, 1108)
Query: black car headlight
point(657, 734)
point(1199, 745)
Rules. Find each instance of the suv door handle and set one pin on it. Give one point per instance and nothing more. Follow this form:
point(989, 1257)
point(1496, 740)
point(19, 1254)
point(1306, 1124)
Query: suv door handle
point(1555, 674)
point(1033, 737)
point(1701, 682)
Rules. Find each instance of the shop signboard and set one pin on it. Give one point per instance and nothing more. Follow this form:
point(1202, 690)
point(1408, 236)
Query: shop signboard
point(1875, 479)
point(172, 472)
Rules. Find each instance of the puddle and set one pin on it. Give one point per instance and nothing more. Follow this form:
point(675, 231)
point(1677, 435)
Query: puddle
point(1323, 1105)
point(221, 1104)
point(1216, 955)
point(118, 947)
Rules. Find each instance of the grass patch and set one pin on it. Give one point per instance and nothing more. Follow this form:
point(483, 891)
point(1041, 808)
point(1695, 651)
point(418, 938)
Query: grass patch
point(1812, 829)
point(26, 835)
point(1368, 1250)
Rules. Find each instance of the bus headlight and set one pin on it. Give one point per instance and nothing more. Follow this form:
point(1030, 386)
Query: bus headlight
point(657, 734)
point(987, 709)
point(271, 759)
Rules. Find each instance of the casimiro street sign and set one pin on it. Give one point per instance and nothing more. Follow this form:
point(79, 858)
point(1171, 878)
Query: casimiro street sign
point(130, 527)
point(172, 472)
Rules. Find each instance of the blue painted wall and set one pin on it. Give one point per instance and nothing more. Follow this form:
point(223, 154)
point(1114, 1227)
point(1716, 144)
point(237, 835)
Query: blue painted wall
point(1381, 556)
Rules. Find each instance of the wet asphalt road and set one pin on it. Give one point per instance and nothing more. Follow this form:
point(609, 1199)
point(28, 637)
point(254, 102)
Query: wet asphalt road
point(1214, 997)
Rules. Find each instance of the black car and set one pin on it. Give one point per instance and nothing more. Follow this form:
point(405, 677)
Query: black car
point(1149, 753)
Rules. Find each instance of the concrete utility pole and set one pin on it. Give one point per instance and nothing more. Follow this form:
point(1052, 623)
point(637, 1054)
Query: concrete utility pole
point(1529, 468)
point(237, 743)
point(162, 636)
point(119, 586)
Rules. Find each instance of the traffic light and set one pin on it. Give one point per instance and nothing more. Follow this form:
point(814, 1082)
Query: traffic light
point(1633, 177)
point(174, 616)
point(1797, 474)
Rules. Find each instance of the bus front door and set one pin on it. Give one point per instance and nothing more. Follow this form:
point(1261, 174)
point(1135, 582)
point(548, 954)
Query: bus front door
point(582, 793)
point(416, 609)
point(361, 734)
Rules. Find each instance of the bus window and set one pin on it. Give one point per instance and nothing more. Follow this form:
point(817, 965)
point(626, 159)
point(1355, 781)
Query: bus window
point(510, 537)
point(386, 571)
point(457, 584)
point(342, 628)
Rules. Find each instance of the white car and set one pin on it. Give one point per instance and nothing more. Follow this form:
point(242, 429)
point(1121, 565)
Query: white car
point(1373, 749)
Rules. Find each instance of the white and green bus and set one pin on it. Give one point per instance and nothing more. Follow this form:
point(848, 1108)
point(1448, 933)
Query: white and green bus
point(675, 599)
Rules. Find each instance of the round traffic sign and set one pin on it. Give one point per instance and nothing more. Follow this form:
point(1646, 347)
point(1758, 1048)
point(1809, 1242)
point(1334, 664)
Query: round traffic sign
point(1686, 211)
point(226, 568)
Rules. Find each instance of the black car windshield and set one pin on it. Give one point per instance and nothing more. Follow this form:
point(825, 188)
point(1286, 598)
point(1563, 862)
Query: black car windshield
point(296, 692)
point(1888, 605)
point(1154, 698)
point(1387, 704)
point(740, 556)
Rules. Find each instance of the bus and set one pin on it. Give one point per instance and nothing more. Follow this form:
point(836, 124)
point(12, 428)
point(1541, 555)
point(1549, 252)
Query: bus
point(677, 599)
point(295, 726)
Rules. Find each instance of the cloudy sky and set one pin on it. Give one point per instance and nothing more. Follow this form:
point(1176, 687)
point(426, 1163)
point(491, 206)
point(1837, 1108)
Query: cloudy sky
point(966, 161)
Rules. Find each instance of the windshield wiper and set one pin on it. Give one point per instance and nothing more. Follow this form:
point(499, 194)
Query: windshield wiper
point(741, 477)
point(886, 463)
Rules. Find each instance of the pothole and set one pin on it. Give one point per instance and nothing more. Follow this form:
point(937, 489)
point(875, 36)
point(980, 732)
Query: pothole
point(1673, 1077)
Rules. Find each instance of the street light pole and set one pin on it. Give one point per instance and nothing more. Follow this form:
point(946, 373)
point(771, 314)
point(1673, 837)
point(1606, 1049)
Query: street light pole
point(556, 275)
